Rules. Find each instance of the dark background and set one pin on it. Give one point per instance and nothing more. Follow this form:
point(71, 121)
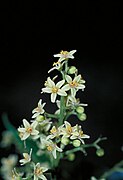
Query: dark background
point(32, 32)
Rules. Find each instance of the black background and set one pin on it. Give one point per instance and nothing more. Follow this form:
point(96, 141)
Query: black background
point(32, 32)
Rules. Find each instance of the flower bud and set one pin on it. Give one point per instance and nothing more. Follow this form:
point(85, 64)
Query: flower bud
point(76, 143)
point(100, 152)
point(40, 118)
point(71, 156)
point(82, 116)
point(80, 109)
point(65, 141)
point(72, 70)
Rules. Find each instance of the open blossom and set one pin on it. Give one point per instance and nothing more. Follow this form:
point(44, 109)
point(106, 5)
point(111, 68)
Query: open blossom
point(38, 110)
point(54, 89)
point(27, 158)
point(55, 132)
point(74, 84)
point(28, 129)
point(38, 172)
point(65, 55)
point(51, 147)
point(79, 134)
point(68, 130)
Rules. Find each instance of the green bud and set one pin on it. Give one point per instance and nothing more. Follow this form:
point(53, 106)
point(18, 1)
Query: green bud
point(100, 152)
point(76, 143)
point(65, 141)
point(72, 70)
point(40, 118)
point(80, 109)
point(71, 156)
point(82, 116)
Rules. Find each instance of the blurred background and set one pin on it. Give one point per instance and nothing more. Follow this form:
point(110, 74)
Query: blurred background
point(32, 32)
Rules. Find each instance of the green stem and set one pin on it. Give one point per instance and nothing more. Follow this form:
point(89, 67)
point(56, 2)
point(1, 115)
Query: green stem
point(62, 110)
point(52, 115)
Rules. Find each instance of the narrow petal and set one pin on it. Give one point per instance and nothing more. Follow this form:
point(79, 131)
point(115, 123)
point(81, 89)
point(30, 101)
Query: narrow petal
point(77, 78)
point(60, 83)
point(21, 130)
point(35, 132)
point(61, 92)
point(53, 97)
point(25, 136)
point(34, 124)
point(42, 177)
point(50, 82)
point(47, 90)
point(26, 123)
point(66, 87)
point(68, 78)
point(85, 136)
point(54, 153)
point(80, 86)
point(58, 149)
point(72, 52)
point(57, 55)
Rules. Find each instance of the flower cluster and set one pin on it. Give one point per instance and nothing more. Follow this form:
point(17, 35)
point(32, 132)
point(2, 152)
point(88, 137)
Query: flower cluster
point(46, 136)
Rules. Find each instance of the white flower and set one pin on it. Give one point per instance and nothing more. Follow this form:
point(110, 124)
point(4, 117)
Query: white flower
point(78, 134)
point(55, 132)
point(51, 147)
point(54, 89)
point(65, 55)
point(7, 138)
point(75, 84)
point(38, 110)
point(68, 130)
point(73, 102)
point(28, 129)
point(27, 158)
point(38, 172)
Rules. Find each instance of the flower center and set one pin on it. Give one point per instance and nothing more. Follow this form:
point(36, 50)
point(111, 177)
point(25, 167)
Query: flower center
point(53, 130)
point(54, 90)
point(73, 84)
point(29, 130)
point(38, 171)
point(69, 129)
point(49, 148)
point(26, 156)
point(64, 52)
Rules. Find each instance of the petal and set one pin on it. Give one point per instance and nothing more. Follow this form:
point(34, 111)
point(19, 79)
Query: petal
point(44, 169)
point(58, 149)
point(72, 52)
point(35, 132)
point(47, 90)
point(73, 92)
point(60, 83)
point(66, 87)
point(57, 55)
point(50, 82)
point(61, 92)
point(34, 124)
point(54, 153)
point(80, 86)
point(85, 136)
point(35, 115)
point(25, 136)
point(68, 78)
point(77, 78)
point(21, 130)
point(53, 97)
point(26, 123)
point(42, 177)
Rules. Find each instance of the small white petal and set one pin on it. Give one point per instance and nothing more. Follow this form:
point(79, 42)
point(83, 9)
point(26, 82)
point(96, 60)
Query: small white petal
point(50, 82)
point(77, 78)
point(61, 92)
point(26, 123)
point(54, 153)
point(60, 83)
point(42, 177)
point(68, 78)
point(34, 124)
point(57, 55)
point(25, 136)
point(66, 87)
point(53, 97)
point(47, 90)
point(35, 132)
